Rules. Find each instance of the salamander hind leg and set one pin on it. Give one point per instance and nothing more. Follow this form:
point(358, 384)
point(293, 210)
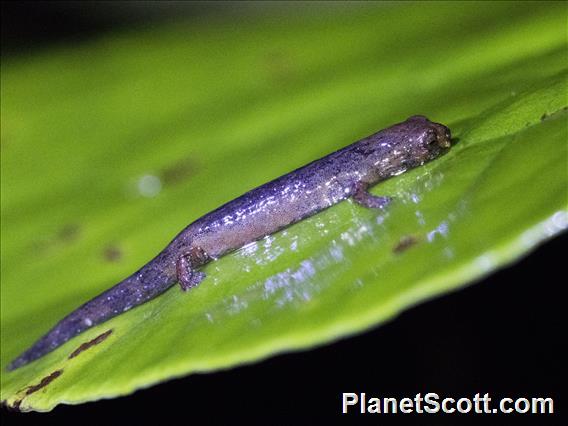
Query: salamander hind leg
point(187, 275)
point(362, 197)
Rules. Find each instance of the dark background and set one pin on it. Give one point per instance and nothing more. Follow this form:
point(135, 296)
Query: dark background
point(501, 336)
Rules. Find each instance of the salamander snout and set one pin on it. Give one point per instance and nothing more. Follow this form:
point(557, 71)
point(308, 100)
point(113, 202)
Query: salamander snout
point(435, 141)
point(426, 139)
point(434, 136)
point(443, 136)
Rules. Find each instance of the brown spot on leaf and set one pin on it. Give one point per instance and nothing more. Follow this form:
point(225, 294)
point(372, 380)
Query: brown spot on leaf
point(14, 407)
point(280, 67)
point(178, 172)
point(43, 383)
point(112, 253)
point(39, 246)
point(547, 115)
point(69, 232)
point(28, 390)
point(84, 346)
point(405, 243)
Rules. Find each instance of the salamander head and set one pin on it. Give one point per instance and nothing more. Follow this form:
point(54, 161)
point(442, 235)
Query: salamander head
point(404, 146)
point(425, 140)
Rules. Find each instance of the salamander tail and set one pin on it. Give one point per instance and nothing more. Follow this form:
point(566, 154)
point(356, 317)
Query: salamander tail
point(140, 287)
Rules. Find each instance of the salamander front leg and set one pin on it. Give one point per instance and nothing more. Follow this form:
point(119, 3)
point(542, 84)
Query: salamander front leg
point(187, 275)
point(364, 198)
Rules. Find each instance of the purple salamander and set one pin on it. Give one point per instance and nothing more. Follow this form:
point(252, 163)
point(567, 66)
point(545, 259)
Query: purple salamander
point(346, 173)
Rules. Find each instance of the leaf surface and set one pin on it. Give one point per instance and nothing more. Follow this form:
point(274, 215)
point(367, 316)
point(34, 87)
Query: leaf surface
point(111, 147)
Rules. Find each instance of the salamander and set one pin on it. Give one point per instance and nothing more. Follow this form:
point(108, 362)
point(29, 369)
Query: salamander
point(347, 173)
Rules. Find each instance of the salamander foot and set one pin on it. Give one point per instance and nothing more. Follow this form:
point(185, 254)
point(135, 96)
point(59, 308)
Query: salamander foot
point(187, 275)
point(362, 197)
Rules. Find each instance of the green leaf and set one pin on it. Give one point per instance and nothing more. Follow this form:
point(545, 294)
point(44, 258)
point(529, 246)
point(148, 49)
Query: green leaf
point(110, 148)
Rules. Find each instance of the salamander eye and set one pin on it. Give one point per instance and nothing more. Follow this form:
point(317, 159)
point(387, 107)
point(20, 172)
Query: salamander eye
point(430, 138)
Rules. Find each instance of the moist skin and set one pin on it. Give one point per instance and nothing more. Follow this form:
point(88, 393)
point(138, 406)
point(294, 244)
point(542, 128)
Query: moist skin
point(347, 173)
